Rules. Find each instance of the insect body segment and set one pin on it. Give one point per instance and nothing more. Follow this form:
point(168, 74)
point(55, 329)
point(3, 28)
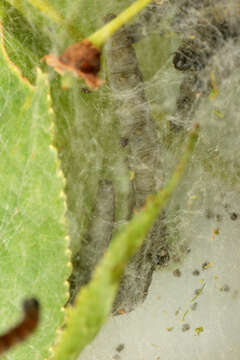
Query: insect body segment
point(25, 328)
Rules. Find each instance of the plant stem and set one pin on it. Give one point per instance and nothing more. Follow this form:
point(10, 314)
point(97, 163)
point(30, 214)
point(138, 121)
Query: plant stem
point(94, 302)
point(100, 36)
point(2, 12)
point(49, 11)
point(163, 196)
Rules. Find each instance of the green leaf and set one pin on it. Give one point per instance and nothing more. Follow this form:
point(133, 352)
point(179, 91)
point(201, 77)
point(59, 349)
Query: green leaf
point(21, 56)
point(33, 257)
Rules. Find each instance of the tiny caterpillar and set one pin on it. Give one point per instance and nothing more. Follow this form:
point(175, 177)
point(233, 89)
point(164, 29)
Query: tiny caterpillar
point(21, 331)
point(137, 125)
point(97, 238)
point(214, 25)
point(140, 140)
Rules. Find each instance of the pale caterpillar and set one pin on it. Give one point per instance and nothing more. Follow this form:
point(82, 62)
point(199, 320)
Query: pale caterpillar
point(207, 28)
point(97, 238)
point(140, 141)
point(137, 125)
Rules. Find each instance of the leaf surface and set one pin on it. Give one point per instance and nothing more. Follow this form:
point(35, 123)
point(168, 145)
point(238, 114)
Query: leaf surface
point(33, 258)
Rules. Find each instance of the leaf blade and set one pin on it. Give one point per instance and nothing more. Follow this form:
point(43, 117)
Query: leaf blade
point(34, 258)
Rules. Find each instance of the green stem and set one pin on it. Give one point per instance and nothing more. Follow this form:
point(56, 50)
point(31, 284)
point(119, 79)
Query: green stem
point(2, 12)
point(49, 11)
point(100, 36)
point(94, 302)
point(166, 192)
point(17, 4)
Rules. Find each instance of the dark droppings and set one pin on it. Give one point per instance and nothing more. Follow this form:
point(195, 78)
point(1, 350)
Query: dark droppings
point(197, 292)
point(194, 306)
point(177, 273)
point(185, 327)
point(123, 141)
point(120, 347)
point(225, 288)
point(196, 272)
point(85, 90)
point(177, 311)
point(209, 214)
point(162, 258)
point(205, 265)
point(233, 216)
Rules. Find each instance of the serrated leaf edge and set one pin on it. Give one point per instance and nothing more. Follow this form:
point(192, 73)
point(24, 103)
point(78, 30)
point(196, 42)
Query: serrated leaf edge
point(13, 67)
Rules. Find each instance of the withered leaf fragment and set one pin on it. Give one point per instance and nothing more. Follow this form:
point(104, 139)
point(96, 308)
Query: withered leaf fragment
point(82, 58)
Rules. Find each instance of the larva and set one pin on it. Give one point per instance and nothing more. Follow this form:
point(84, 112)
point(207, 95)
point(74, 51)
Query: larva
point(137, 125)
point(25, 328)
point(142, 152)
point(212, 27)
point(97, 238)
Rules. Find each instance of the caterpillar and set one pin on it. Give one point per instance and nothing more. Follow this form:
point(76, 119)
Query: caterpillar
point(210, 34)
point(207, 27)
point(96, 239)
point(140, 142)
point(25, 328)
point(137, 125)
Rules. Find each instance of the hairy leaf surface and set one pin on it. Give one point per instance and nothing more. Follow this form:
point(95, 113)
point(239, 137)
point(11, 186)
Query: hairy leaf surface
point(33, 256)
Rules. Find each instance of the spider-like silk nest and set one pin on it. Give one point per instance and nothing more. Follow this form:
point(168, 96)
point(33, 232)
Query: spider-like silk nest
point(174, 64)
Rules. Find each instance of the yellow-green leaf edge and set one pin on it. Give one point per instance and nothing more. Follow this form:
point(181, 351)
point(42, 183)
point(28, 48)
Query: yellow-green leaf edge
point(34, 255)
